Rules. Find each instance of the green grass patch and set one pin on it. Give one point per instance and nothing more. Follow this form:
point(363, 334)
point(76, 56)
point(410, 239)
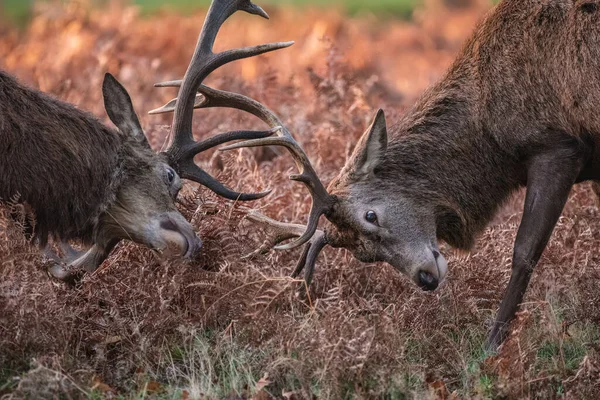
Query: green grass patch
point(20, 10)
point(211, 367)
point(399, 8)
point(16, 10)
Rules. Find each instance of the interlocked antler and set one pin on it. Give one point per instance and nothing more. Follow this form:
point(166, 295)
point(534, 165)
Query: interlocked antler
point(183, 148)
point(321, 200)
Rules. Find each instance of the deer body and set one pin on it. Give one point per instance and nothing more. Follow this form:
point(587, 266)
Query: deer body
point(84, 180)
point(509, 96)
point(38, 161)
point(517, 108)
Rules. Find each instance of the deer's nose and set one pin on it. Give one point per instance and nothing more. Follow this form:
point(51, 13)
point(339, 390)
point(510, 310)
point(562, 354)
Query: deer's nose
point(176, 223)
point(427, 281)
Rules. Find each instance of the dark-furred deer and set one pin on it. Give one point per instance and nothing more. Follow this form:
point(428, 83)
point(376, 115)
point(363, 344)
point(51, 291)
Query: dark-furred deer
point(84, 180)
point(517, 108)
point(88, 182)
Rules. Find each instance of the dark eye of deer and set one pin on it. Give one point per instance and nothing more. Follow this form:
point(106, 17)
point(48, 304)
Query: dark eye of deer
point(170, 175)
point(371, 217)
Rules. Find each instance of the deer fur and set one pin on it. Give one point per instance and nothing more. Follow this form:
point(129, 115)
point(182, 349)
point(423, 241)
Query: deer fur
point(82, 179)
point(518, 107)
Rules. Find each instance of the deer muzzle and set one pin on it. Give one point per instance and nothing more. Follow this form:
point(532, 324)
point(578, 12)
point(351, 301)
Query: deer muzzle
point(431, 274)
point(176, 232)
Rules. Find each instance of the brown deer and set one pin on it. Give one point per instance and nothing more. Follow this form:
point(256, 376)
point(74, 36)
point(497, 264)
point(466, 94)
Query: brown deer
point(86, 181)
point(517, 108)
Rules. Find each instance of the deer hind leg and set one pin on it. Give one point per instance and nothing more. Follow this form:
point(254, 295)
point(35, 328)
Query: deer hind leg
point(78, 262)
point(549, 180)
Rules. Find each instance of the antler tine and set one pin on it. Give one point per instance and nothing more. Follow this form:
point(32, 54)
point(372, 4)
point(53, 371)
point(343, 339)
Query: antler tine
point(193, 172)
point(282, 232)
point(183, 148)
point(213, 98)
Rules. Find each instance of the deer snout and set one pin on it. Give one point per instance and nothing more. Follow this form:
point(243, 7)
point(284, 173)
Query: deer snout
point(431, 274)
point(175, 230)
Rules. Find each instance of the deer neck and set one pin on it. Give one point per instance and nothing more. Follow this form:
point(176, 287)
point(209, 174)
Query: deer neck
point(442, 156)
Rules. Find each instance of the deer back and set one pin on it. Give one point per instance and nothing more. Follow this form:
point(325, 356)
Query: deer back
point(60, 160)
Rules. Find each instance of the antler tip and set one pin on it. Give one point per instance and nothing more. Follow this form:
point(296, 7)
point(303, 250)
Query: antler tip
point(160, 110)
point(176, 83)
point(255, 196)
point(289, 246)
point(256, 10)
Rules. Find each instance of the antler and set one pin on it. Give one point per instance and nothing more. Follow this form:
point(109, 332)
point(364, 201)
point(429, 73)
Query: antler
point(194, 95)
point(322, 201)
point(208, 97)
point(183, 148)
point(283, 232)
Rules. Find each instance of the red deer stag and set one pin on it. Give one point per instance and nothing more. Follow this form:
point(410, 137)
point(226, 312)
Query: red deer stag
point(517, 108)
point(88, 182)
point(84, 180)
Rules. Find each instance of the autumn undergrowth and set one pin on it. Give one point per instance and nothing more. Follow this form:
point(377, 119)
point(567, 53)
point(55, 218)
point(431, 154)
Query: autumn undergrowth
point(230, 323)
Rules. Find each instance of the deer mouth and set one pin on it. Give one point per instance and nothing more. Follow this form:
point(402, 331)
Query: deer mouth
point(177, 233)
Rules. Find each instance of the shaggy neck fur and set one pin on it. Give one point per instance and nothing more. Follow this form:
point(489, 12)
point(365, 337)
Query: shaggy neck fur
point(445, 160)
point(62, 162)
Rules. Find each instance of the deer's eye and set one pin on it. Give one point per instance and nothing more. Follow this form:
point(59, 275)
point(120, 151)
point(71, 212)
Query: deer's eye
point(170, 175)
point(371, 217)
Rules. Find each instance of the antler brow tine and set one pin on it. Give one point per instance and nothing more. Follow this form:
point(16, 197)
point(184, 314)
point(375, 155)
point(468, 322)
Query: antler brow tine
point(283, 231)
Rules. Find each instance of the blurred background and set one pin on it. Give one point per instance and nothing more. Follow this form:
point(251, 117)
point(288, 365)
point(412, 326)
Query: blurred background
point(396, 47)
point(20, 10)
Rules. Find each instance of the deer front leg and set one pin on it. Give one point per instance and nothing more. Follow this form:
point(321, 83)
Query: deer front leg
point(88, 261)
point(550, 177)
point(68, 252)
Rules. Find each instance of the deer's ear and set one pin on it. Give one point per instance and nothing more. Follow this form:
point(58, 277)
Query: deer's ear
point(370, 148)
point(120, 109)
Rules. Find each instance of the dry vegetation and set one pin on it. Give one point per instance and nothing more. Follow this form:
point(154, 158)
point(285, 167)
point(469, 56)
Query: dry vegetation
point(224, 326)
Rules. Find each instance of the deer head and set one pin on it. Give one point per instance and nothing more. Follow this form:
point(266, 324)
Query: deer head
point(360, 216)
point(144, 208)
point(365, 221)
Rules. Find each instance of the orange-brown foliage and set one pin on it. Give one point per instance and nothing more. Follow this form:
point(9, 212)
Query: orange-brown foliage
point(362, 322)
